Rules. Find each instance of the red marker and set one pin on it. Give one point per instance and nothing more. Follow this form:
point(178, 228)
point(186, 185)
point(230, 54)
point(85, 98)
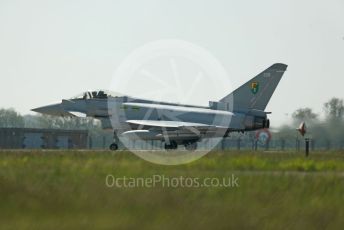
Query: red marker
point(302, 128)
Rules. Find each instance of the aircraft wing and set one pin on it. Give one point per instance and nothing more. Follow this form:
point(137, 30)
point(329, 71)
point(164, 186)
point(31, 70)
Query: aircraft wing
point(76, 114)
point(194, 127)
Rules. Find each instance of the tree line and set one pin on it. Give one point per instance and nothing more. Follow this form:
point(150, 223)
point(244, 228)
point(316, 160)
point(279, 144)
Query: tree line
point(9, 118)
point(329, 131)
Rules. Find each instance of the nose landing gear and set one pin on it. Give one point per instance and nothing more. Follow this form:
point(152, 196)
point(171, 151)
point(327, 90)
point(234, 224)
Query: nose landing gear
point(114, 145)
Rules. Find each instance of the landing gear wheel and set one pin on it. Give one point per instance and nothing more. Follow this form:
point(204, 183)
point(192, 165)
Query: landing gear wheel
point(113, 147)
point(191, 146)
point(172, 145)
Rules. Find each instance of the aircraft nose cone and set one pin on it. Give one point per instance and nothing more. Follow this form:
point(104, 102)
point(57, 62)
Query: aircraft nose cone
point(54, 109)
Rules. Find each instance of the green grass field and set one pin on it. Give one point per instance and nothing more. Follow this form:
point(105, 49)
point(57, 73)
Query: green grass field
point(67, 190)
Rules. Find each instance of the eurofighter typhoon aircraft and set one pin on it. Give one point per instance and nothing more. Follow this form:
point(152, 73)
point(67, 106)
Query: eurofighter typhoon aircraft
point(177, 124)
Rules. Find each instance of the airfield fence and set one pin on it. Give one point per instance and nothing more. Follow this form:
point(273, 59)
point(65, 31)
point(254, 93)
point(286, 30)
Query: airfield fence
point(230, 143)
point(102, 140)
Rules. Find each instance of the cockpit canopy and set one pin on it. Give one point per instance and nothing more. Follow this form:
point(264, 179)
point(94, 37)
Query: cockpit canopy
point(100, 94)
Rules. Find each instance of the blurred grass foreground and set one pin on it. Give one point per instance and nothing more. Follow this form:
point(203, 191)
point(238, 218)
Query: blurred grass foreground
point(70, 190)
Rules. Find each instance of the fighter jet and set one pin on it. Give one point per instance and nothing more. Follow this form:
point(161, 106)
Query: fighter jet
point(172, 123)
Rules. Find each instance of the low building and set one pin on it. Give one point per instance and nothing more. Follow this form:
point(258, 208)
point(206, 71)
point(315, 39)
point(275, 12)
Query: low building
point(27, 138)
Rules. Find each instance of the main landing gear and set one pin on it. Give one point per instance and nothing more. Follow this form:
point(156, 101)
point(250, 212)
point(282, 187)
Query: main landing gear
point(190, 145)
point(171, 145)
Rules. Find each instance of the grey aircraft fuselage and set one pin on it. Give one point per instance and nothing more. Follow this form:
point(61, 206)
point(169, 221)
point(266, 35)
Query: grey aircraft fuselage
point(242, 110)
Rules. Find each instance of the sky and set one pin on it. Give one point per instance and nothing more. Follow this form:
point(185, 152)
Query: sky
point(51, 50)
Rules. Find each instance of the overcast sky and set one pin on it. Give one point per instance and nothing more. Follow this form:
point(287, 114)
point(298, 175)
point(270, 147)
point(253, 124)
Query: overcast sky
point(51, 50)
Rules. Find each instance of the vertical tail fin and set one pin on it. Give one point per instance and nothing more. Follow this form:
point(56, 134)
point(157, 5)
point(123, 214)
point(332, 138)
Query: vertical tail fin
point(256, 93)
